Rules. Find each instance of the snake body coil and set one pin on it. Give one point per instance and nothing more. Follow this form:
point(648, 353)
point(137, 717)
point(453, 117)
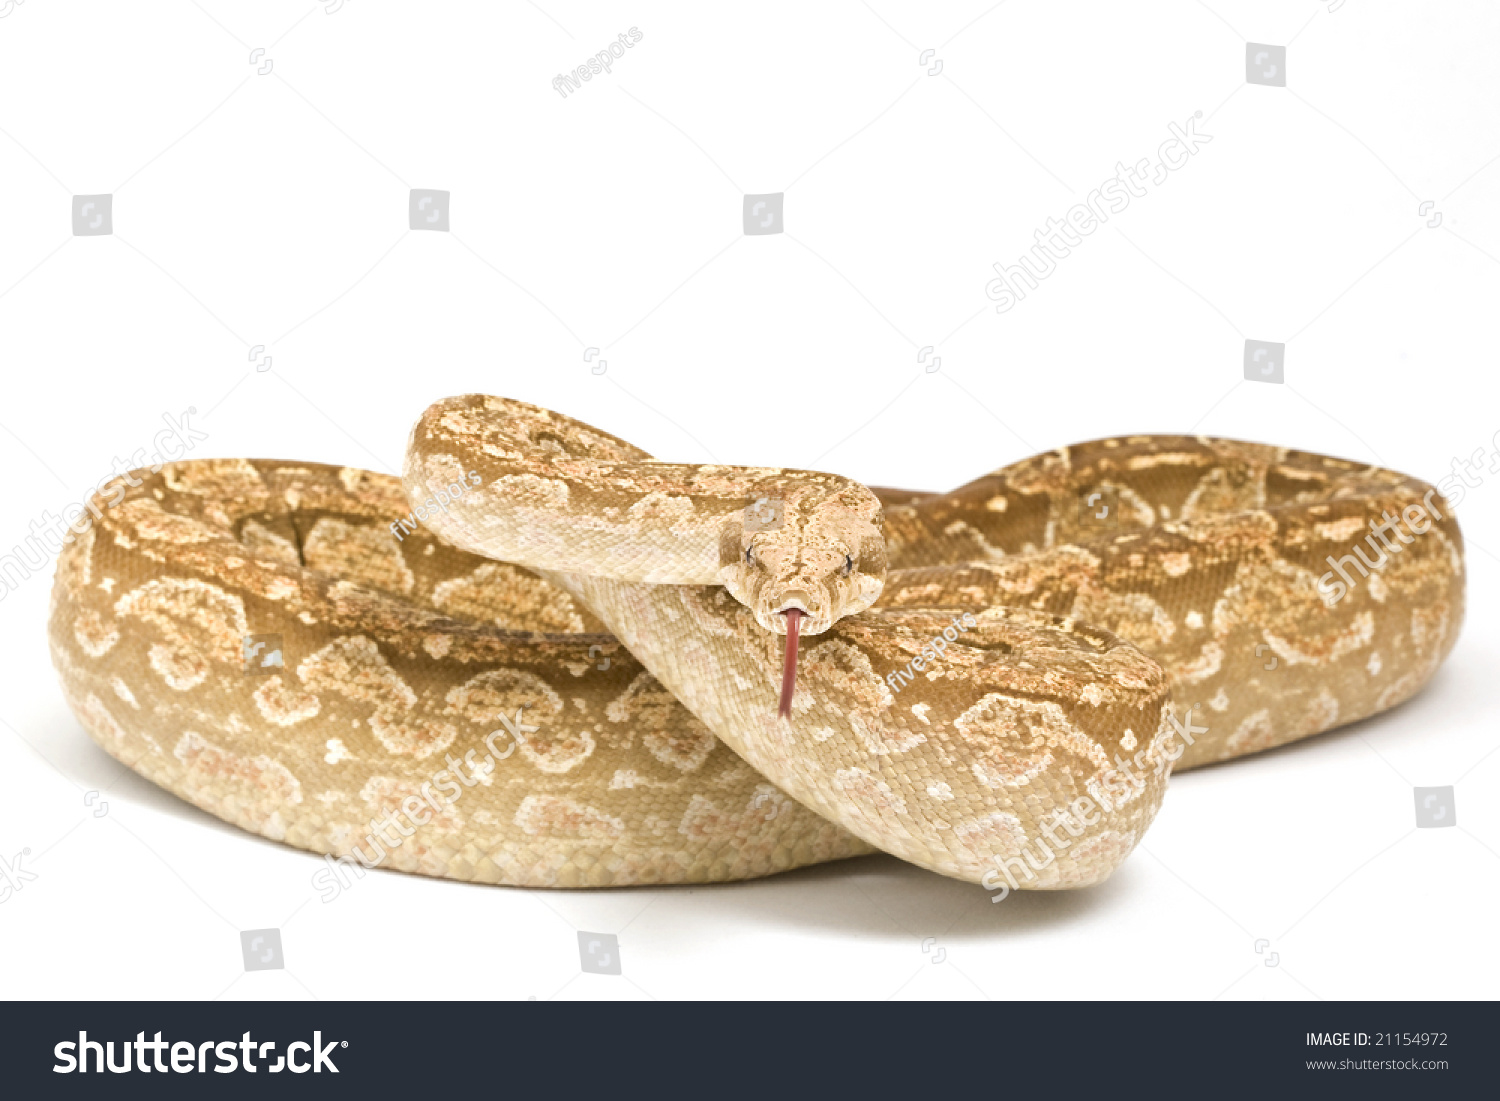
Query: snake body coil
point(565, 672)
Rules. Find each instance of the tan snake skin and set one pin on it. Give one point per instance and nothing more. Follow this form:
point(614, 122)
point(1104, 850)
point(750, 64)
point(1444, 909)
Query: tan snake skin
point(484, 719)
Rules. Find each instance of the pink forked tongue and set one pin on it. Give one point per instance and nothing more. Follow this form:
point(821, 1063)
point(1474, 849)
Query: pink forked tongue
point(789, 666)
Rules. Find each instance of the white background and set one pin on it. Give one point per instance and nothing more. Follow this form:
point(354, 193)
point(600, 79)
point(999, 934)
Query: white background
point(271, 210)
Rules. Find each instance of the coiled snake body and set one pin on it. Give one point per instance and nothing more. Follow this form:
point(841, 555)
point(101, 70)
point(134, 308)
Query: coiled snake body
point(550, 661)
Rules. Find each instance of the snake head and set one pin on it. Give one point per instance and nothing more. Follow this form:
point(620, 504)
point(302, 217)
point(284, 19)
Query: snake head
point(812, 559)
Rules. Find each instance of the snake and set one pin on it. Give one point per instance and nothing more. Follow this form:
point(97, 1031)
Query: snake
point(541, 658)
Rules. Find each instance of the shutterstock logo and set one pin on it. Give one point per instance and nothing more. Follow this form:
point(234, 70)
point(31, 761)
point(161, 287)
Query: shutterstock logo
point(189, 1058)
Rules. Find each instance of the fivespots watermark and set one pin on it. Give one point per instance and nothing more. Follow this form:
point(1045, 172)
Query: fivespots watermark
point(444, 497)
point(601, 62)
point(900, 678)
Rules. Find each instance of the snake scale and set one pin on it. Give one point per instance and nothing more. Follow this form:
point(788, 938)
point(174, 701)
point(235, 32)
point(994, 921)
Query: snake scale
point(543, 659)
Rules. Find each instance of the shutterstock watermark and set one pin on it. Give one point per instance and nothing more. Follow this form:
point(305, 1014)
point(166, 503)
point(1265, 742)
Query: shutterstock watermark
point(49, 533)
point(1467, 474)
point(13, 876)
point(1464, 473)
point(599, 63)
point(1418, 521)
point(1057, 240)
point(330, 879)
point(1114, 786)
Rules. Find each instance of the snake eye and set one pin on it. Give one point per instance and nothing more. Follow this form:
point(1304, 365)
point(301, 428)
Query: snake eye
point(749, 556)
point(848, 565)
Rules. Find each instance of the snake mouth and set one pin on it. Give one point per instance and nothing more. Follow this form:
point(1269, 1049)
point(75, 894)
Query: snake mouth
point(789, 661)
point(814, 612)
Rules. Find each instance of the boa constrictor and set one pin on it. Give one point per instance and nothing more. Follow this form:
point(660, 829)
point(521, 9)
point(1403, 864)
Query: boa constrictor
point(548, 660)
